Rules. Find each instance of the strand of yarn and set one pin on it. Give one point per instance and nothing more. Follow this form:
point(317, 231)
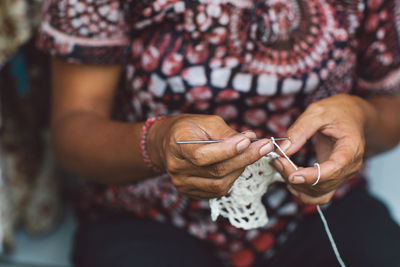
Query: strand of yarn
point(321, 214)
point(283, 153)
point(328, 232)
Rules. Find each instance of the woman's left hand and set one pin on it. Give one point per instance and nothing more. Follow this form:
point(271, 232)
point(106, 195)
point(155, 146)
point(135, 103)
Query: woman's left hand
point(338, 124)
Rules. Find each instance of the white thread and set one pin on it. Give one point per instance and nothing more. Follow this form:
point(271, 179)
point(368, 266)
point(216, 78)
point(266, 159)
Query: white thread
point(319, 174)
point(321, 215)
point(283, 153)
point(328, 232)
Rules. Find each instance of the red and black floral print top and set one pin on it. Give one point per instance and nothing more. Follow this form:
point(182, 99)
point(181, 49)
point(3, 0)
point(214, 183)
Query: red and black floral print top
point(255, 63)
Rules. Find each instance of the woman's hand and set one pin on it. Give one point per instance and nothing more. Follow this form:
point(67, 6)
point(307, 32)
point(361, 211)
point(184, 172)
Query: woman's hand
point(338, 124)
point(203, 170)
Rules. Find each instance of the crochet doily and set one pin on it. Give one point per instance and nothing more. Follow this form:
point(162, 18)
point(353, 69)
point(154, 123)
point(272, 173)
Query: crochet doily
point(242, 206)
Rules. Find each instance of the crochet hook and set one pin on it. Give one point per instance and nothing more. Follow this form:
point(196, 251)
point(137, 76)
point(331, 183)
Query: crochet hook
point(218, 141)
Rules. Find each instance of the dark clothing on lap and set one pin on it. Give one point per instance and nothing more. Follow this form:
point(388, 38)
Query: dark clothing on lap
point(364, 232)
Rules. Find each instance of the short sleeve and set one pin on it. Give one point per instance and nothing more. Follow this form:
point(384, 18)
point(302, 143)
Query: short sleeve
point(378, 57)
point(84, 31)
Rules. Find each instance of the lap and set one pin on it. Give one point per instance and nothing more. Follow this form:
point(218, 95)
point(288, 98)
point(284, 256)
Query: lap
point(363, 230)
point(136, 242)
point(361, 226)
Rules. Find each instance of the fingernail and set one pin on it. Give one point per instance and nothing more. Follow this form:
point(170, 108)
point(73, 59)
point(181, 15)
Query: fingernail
point(278, 165)
point(242, 145)
point(285, 145)
point(298, 179)
point(266, 149)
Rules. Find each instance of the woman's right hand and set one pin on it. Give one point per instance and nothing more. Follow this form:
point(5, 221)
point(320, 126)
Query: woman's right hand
point(203, 170)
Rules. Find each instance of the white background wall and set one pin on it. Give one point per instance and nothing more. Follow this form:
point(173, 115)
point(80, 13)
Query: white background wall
point(384, 179)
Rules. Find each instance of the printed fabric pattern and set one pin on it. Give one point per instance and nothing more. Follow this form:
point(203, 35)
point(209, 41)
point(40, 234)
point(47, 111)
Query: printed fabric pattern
point(257, 64)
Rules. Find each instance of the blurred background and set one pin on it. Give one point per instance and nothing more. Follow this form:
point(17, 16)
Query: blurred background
point(36, 217)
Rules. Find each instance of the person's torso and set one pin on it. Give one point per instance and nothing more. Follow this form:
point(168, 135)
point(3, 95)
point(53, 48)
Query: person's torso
point(257, 64)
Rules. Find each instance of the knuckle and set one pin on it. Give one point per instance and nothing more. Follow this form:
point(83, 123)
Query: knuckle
point(316, 107)
point(358, 150)
point(177, 182)
point(177, 130)
point(219, 170)
point(358, 165)
point(172, 166)
point(198, 158)
point(360, 140)
point(221, 188)
point(361, 150)
point(216, 118)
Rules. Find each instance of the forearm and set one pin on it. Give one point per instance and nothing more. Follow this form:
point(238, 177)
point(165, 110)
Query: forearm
point(382, 124)
point(100, 149)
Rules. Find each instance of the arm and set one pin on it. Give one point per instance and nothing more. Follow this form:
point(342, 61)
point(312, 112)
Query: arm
point(84, 137)
point(383, 124)
point(89, 143)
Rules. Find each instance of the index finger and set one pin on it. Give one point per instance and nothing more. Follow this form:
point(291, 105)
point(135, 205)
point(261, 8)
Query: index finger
point(207, 154)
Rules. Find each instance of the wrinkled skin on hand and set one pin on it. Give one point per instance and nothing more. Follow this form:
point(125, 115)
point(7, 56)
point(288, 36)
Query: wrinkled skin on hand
point(203, 171)
point(338, 125)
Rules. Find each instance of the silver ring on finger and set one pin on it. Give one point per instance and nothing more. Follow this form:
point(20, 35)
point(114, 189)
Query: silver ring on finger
point(319, 174)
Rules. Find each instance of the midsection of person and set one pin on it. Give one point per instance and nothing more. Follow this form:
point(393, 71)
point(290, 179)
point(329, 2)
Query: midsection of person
point(256, 71)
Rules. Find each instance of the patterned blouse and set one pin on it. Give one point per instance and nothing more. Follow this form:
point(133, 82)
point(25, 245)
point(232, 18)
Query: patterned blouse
point(255, 63)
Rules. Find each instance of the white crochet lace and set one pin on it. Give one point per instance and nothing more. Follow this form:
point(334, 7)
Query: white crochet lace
point(242, 206)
